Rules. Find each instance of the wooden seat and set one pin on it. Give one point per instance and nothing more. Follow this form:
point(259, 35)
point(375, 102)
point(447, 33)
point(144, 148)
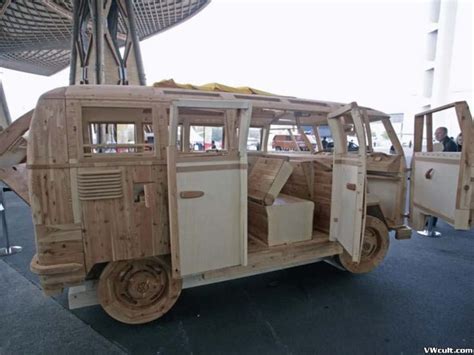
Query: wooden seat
point(267, 178)
point(276, 218)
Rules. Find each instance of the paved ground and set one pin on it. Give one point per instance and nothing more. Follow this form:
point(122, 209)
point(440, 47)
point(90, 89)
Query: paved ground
point(422, 295)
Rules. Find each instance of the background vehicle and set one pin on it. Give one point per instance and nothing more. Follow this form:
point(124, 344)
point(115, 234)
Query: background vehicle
point(287, 142)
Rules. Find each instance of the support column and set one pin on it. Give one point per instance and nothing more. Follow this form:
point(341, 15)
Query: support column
point(100, 28)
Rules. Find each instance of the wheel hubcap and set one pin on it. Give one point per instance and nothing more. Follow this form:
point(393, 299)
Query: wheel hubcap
point(142, 286)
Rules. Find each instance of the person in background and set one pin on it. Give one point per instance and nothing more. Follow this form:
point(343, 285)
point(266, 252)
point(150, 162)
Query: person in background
point(324, 142)
point(459, 142)
point(213, 145)
point(441, 135)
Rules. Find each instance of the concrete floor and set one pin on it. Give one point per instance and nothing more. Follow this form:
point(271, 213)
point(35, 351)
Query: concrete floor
point(422, 295)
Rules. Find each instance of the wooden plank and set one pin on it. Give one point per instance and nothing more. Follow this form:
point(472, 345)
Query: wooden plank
point(16, 177)
point(50, 196)
point(14, 131)
point(173, 211)
point(277, 257)
point(418, 134)
point(464, 192)
point(437, 109)
point(59, 244)
point(455, 161)
point(215, 104)
point(290, 219)
point(341, 111)
point(303, 134)
point(48, 125)
point(393, 137)
point(83, 295)
point(368, 131)
point(318, 138)
point(267, 178)
point(429, 132)
point(432, 212)
point(196, 168)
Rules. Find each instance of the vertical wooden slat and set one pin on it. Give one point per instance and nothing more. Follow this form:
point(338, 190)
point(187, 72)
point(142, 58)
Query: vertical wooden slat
point(392, 135)
point(303, 135)
point(266, 135)
point(418, 133)
point(173, 212)
point(185, 136)
point(294, 140)
point(318, 138)
point(429, 132)
point(368, 131)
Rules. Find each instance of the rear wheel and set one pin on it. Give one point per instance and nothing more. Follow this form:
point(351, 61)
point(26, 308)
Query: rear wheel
point(374, 248)
point(137, 291)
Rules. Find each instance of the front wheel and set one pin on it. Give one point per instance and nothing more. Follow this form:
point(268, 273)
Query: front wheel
point(374, 248)
point(137, 291)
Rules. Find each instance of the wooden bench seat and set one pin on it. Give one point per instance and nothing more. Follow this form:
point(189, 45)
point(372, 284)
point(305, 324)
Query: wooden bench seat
point(273, 217)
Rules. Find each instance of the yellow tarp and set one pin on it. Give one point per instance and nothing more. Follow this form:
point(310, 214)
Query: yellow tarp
point(209, 87)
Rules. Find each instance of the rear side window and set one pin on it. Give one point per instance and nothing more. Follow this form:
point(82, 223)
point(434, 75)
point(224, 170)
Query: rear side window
point(120, 131)
point(254, 140)
point(205, 138)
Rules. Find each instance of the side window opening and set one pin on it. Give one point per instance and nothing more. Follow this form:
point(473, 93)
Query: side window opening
point(120, 131)
point(205, 138)
point(286, 138)
point(380, 140)
point(111, 137)
point(254, 140)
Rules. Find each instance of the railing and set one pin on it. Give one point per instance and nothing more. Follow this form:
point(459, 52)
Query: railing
point(120, 149)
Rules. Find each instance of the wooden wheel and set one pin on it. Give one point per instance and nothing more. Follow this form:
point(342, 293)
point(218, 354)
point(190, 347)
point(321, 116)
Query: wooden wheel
point(374, 248)
point(137, 291)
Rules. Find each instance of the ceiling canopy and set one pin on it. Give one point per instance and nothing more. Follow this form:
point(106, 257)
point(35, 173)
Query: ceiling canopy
point(35, 36)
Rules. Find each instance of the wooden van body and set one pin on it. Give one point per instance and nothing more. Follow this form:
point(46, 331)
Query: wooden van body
point(101, 197)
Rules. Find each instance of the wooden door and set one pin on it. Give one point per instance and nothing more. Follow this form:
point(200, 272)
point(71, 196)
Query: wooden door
point(442, 182)
point(208, 193)
point(349, 181)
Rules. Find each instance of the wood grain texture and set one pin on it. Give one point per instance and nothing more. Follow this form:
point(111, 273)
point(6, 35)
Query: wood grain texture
point(13, 132)
point(16, 177)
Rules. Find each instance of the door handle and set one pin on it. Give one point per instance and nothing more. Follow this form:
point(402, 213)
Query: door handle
point(191, 194)
point(429, 174)
point(351, 186)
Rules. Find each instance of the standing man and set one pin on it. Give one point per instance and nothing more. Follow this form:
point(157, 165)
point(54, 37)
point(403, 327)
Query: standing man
point(441, 135)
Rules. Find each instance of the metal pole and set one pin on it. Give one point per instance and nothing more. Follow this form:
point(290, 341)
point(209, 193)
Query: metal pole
point(97, 25)
point(75, 34)
point(136, 42)
point(8, 250)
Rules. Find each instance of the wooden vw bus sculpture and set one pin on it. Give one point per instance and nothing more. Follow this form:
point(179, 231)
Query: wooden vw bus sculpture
point(146, 215)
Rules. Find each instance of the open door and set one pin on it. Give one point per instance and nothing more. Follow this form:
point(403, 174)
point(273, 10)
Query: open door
point(207, 189)
point(349, 180)
point(442, 183)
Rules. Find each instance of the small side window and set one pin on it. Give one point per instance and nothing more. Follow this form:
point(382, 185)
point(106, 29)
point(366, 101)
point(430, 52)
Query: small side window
point(254, 140)
point(121, 131)
point(205, 138)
